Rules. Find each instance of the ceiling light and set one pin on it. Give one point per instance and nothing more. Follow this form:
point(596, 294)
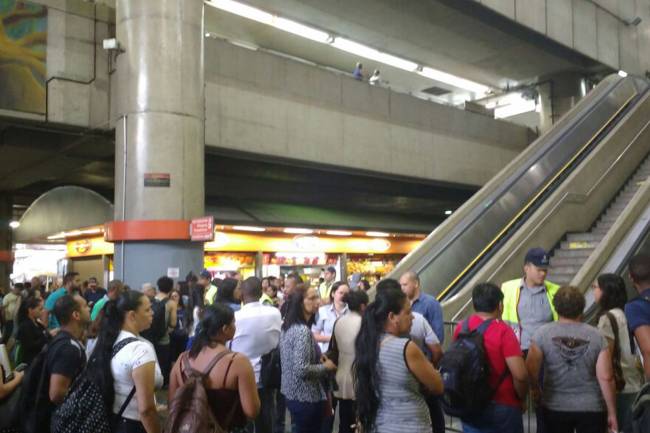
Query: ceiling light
point(297, 231)
point(243, 10)
point(448, 212)
point(56, 236)
point(453, 80)
point(338, 233)
point(14, 224)
point(622, 74)
point(377, 234)
point(515, 108)
point(373, 54)
point(301, 30)
point(249, 229)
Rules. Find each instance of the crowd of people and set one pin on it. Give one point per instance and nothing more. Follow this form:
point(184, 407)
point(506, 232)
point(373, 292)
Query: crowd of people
point(237, 355)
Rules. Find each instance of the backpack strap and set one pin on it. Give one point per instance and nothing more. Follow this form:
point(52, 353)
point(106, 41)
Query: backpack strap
point(119, 346)
point(484, 326)
point(228, 370)
point(215, 360)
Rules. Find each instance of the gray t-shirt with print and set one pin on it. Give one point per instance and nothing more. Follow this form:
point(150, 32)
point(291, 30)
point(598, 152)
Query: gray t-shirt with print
point(571, 351)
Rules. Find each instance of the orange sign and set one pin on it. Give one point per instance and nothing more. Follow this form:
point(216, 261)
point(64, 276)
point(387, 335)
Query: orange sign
point(89, 247)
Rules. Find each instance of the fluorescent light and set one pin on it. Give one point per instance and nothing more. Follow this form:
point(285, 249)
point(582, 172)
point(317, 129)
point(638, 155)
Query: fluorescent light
point(622, 74)
point(448, 212)
point(57, 236)
point(297, 231)
point(373, 54)
point(249, 228)
point(453, 80)
point(243, 10)
point(301, 30)
point(518, 107)
point(338, 233)
point(377, 234)
point(14, 224)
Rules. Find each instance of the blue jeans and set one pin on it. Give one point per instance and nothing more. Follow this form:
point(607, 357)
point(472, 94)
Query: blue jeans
point(496, 418)
point(308, 417)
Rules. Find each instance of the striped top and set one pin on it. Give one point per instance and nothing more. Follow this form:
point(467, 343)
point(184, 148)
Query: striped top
point(402, 407)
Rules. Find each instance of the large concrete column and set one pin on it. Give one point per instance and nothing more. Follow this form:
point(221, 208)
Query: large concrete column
point(6, 256)
point(558, 94)
point(159, 158)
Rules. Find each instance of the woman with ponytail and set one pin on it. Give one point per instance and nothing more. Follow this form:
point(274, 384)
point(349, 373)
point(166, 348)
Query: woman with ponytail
point(389, 370)
point(129, 377)
point(230, 380)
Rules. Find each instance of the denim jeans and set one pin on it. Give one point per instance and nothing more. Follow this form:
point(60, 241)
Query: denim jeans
point(308, 417)
point(496, 418)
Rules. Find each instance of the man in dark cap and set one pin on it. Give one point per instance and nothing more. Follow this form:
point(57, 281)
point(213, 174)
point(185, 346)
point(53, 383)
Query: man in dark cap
point(326, 286)
point(528, 302)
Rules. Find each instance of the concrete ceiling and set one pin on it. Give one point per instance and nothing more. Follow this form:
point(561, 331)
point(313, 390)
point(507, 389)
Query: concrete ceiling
point(456, 36)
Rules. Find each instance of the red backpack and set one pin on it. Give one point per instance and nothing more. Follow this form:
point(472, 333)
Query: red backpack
point(189, 409)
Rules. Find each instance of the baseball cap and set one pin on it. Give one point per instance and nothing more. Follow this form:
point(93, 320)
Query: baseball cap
point(538, 257)
point(205, 274)
point(331, 269)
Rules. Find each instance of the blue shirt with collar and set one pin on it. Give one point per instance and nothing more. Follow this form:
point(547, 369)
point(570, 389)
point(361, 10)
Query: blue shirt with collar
point(431, 309)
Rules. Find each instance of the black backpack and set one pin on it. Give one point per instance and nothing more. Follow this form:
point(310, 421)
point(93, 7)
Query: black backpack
point(641, 411)
point(84, 410)
point(465, 373)
point(33, 403)
point(271, 370)
point(158, 327)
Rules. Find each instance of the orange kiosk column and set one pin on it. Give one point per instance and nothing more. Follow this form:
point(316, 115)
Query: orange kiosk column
point(159, 157)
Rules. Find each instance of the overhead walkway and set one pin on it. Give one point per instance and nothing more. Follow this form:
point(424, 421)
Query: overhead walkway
point(556, 194)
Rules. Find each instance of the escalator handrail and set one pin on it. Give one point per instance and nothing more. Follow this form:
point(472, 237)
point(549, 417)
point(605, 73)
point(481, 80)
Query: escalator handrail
point(555, 138)
point(535, 198)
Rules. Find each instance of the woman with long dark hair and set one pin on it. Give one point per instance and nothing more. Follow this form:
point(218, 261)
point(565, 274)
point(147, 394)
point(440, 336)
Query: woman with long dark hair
point(229, 294)
point(230, 384)
point(611, 297)
point(303, 366)
point(118, 372)
point(389, 370)
point(32, 336)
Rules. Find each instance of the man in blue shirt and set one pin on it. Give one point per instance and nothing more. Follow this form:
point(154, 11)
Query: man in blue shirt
point(637, 311)
point(422, 303)
point(71, 284)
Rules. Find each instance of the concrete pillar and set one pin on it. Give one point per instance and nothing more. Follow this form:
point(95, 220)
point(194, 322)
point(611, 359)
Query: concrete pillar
point(6, 256)
point(558, 94)
point(159, 158)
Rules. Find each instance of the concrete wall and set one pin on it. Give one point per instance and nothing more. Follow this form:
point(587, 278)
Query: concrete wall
point(595, 28)
point(266, 104)
point(78, 85)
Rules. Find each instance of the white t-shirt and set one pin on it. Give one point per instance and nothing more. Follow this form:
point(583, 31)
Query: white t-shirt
point(131, 357)
point(258, 332)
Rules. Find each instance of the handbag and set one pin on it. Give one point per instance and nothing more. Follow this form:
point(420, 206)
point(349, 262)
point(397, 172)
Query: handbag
point(9, 406)
point(619, 379)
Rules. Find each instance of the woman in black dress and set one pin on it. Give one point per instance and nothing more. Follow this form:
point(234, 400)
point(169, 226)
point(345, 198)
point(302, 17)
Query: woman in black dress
point(32, 335)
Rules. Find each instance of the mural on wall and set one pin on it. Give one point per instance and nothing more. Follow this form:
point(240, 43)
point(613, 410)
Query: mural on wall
point(23, 45)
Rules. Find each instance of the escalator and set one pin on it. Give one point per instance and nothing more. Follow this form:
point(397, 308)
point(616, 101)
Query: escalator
point(561, 183)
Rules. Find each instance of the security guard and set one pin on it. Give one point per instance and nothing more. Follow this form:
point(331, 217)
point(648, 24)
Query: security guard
point(528, 302)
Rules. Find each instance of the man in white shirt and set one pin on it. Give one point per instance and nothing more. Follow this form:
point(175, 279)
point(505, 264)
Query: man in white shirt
point(258, 333)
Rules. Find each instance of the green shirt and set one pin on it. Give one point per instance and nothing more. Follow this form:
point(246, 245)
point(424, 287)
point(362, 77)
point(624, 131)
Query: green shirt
point(98, 307)
point(49, 306)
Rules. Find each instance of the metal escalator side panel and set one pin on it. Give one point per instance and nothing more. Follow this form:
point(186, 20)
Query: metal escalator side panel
point(449, 249)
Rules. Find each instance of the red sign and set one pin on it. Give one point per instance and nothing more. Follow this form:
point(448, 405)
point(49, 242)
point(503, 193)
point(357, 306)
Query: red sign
point(202, 229)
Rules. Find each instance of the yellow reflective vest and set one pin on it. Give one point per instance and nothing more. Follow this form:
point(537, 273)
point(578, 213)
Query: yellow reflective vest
point(511, 291)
